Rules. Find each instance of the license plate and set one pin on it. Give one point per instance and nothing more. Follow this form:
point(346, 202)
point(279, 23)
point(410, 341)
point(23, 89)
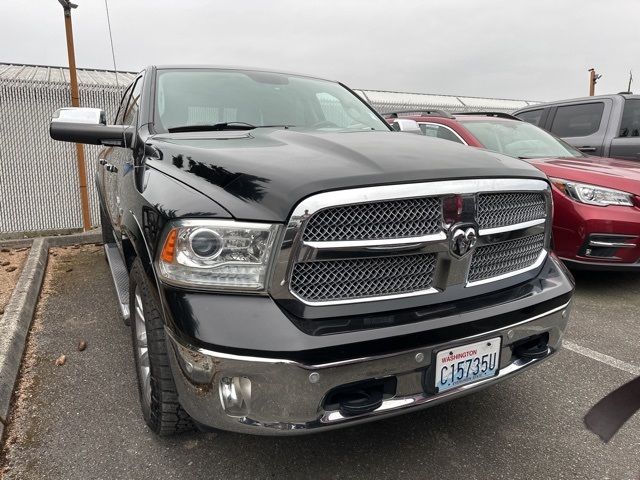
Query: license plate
point(467, 363)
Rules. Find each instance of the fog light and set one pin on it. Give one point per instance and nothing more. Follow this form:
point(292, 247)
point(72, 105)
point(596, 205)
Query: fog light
point(198, 368)
point(235, 395)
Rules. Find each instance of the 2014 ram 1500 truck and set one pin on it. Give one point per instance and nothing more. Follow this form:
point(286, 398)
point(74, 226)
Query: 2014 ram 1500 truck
point(288, 263)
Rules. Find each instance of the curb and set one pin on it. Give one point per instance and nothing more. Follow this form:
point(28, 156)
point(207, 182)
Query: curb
point(65, 240)
point(18, 314)
point(55, 241)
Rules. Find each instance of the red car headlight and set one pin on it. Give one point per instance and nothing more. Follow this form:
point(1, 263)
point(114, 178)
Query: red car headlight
point(593, 194)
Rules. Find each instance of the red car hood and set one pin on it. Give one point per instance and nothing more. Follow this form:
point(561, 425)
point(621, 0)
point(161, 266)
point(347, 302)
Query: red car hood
point(605, 172)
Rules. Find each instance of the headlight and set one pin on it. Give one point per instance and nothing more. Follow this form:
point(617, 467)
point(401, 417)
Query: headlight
point(592, 194)
point(220, 254)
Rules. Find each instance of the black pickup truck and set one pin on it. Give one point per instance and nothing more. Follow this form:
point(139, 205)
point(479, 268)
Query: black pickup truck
point(289, 264)
point(603, 125)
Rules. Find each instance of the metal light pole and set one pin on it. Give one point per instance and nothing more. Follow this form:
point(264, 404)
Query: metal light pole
point(75, 101)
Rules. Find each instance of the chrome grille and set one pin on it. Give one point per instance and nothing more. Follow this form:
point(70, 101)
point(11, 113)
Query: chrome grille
point(505, 257)
point(323, 281)
point(391, 241)
point(412, 217)
point(501, 209)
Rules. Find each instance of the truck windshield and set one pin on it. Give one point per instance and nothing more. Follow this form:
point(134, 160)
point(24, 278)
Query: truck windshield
point(519, 139)
point(194, 99)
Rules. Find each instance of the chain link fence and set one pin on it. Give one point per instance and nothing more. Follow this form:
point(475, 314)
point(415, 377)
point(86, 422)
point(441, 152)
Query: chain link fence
point(38, 176)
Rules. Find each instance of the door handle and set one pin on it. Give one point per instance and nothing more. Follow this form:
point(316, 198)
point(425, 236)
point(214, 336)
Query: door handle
point(587, 149)
point(111, 168)
point(102, 161)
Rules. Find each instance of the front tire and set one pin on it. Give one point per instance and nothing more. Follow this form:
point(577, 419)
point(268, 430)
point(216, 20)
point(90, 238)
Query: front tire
point(158, 397)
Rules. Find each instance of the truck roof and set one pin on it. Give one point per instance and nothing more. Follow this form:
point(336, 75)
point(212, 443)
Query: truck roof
point(234, 67)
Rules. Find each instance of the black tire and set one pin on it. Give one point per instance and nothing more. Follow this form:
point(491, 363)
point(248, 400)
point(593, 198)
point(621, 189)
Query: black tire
point(161, 410)
point(105, 225)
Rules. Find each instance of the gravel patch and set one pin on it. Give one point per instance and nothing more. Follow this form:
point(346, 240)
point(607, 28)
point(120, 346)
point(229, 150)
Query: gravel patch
point(11, 263)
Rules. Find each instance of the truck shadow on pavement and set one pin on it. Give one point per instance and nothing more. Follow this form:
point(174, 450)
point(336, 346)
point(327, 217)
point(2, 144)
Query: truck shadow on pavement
point(611, 281)
point(406, 443)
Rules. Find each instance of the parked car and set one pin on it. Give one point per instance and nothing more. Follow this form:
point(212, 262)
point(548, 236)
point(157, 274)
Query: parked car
point(291, 264)
point(604, 125)
point(596, 200)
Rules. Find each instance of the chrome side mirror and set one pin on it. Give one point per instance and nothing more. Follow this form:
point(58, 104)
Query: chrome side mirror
point(406, 125)
point(88, 125)
point(89, 116)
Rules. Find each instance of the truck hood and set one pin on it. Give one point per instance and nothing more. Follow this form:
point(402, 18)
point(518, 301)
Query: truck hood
point(605, 172)
point(262, 174)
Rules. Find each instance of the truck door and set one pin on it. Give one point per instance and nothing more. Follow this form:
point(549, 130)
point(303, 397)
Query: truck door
point(119, 161)
point(626, 144)
point(582, 124)
point(106, 156)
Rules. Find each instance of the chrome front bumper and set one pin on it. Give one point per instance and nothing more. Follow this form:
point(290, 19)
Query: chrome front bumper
point(286, 397)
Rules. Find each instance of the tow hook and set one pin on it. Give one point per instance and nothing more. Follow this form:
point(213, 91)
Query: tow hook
point(532, 347)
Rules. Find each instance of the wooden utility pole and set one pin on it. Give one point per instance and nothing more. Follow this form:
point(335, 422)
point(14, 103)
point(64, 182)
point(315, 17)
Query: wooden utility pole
point(593, 79)
point(75, 101)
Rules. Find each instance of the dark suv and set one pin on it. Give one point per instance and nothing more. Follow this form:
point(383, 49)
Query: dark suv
point(605, 125)
point(289, 263)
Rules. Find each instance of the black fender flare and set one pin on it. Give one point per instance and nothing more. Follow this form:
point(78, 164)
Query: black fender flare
point(136, 244)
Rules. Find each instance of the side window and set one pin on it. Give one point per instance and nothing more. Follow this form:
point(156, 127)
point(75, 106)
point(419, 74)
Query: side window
point(122, 107)
point(578, 120)
point(630, 124)
point(438, 131)
point(134, 103)
point(531, 116)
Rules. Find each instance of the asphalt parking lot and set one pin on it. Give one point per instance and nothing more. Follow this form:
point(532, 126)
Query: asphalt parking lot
point(82, 419)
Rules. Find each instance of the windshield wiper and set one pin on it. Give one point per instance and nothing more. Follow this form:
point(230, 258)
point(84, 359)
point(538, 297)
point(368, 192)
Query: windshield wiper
point(213, 127)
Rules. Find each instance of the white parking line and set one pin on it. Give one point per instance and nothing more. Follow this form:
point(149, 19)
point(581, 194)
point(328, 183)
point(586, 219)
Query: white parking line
point(602, 358)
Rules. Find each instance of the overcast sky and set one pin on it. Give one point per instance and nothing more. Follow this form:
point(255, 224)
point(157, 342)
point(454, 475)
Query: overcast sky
point(497, 48)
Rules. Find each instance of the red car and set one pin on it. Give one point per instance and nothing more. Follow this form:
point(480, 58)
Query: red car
point(596, 200)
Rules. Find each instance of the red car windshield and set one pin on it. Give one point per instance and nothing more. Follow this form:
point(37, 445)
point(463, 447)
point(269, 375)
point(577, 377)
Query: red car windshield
point(519, 139)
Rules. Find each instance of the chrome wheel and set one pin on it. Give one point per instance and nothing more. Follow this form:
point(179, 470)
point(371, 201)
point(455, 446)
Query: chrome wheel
point(142, 350)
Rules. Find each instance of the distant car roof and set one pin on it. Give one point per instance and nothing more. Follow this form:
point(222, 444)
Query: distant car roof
point(465, 117)
point(578, 99)
point(479, 118)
